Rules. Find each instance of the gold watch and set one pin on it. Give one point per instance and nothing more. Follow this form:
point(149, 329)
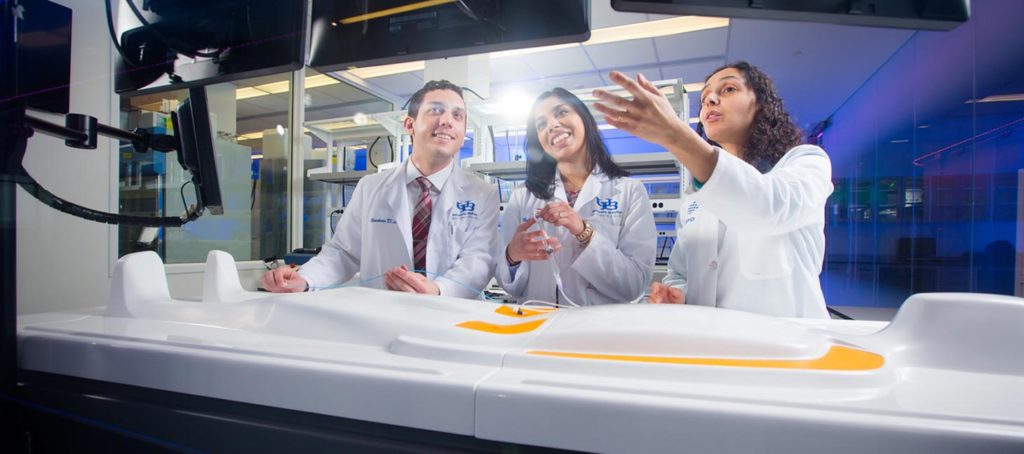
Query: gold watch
point(586, 234)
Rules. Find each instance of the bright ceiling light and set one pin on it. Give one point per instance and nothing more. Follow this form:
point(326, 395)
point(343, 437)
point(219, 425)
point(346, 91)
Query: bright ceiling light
point(251, 136)
point(282, 86)
point(387, 70)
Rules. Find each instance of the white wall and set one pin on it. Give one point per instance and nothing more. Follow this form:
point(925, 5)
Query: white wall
point(64, 262)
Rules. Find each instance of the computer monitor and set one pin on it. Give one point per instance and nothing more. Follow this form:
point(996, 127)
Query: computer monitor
point(913, 14)
point(195, 151)
point(42, 56)
point(374, 32)
point(185, 43)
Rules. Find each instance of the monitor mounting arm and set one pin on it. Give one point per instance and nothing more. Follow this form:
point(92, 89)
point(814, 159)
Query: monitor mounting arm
point(81, 131)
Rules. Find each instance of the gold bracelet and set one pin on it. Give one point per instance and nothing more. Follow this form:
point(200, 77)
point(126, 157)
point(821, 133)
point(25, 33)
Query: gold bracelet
point(587, 233)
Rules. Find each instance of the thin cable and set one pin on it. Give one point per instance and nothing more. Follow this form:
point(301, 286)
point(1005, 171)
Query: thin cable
point(474, 92)
point(184, 204)
point(555, 270)
point(330, 219)
point(369, 152)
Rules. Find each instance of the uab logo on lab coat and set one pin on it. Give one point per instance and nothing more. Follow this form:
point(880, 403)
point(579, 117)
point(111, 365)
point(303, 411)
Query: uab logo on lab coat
point(689, 212)
point(465, 209)
point(607, 206)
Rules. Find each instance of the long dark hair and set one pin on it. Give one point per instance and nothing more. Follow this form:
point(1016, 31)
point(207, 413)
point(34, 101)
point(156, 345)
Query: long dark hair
point(541, 167)
point(773, 132)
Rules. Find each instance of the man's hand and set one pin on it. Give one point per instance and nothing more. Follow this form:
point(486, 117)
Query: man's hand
point(663, 294)
point(283, 280)
point(400, 279)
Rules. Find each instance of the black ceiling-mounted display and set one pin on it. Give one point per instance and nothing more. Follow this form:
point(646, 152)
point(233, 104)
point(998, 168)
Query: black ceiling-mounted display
point(174, 44)
point(43, 56)
point(912, 14)
point(346, 34)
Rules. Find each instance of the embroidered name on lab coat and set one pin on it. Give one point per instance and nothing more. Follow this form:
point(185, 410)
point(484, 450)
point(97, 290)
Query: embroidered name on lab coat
point(689, 212)
point(382, 221)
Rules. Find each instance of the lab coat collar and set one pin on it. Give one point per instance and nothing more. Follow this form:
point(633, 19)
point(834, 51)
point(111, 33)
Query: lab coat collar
point(438, 179)
point(591, 188)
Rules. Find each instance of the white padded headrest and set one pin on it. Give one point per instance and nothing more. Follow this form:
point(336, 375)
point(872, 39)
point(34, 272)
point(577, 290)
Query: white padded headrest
point(139, 279)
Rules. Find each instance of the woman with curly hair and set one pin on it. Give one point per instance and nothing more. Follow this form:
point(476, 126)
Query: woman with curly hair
point(750, 231)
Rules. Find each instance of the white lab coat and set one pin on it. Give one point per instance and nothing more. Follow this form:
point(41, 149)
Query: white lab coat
point(755, 242)
point(374, 235)
point(615, 267)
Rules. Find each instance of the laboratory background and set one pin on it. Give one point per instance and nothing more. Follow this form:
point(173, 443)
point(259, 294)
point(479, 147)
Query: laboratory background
point(924, 129)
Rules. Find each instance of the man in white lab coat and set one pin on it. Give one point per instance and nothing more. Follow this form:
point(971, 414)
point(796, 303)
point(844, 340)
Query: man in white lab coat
point(423, 227)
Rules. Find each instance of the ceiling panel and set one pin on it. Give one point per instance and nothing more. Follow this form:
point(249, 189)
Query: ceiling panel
point(256, 125)
point(346, 92)
point(694, 71)
point(318, 97)
point(248, 109)
point(510, 69)
point(650, 72)
point(277, 102)
point(815, 67)
point(558, 62)
point(636, 52)
point(688, 46)
point(403, 85)
point(261, 80)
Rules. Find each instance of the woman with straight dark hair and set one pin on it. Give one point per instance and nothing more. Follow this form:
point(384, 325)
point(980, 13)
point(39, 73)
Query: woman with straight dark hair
point(750, 231)
point(579, 232)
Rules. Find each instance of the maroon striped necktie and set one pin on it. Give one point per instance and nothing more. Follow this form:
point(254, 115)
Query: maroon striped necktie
point(421, 226)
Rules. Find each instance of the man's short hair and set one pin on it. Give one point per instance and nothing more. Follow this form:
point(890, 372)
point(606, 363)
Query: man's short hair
point(417, 98)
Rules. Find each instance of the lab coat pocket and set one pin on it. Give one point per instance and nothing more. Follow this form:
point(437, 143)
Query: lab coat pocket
point(765, 257)
point(606, 229)
point(459, 231)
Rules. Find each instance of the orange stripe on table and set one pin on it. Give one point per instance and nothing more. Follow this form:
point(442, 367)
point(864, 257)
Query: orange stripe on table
point(837, 358)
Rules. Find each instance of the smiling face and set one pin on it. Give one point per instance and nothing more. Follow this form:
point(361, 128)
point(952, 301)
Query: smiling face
point(728, 106)
point(439, 127)
point(559, 130)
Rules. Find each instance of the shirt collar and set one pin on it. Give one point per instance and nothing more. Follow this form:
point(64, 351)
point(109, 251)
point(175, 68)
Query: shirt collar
point(437, 179)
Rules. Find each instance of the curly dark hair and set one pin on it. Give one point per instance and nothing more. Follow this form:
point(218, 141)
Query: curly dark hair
point(540, 167)
point(773, 132)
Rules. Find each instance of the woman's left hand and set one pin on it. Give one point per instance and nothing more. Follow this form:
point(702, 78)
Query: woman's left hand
point(561, 214)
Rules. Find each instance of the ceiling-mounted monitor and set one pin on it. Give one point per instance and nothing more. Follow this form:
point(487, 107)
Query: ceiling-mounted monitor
point(912, 14)
point(174, 44)
point(349, 34)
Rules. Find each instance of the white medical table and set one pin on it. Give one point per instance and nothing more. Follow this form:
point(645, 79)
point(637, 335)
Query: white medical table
point(947, 375)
